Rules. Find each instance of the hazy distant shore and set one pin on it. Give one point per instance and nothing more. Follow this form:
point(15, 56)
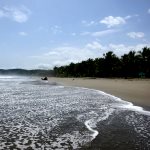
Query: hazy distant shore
point(133, 90)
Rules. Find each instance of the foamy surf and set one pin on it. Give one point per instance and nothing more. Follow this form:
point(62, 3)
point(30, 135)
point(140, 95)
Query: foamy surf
point(88, 125)
point(6, 77)
point(33, 113)
point(126, 104)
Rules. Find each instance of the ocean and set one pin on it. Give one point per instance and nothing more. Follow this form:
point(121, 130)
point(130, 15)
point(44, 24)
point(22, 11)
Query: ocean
point(42, 115)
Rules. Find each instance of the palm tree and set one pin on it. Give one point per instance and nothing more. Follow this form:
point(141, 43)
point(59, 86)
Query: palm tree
point(145, 60)
point(130, 64)
point(112, 64)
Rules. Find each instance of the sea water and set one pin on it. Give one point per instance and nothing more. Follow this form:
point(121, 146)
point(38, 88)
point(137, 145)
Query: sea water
point(37, 114)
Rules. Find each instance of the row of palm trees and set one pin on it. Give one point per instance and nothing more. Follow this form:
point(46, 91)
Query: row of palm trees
point(133, 64)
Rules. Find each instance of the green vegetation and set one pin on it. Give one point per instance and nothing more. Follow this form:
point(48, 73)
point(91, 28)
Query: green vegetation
point(134, 64)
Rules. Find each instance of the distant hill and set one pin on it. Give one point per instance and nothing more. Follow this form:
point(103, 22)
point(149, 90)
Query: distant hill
point(35, 72)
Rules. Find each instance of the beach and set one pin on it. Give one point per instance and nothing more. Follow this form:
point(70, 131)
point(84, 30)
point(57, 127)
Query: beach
point(132, 90)
point(116, 133)
point(58, 114)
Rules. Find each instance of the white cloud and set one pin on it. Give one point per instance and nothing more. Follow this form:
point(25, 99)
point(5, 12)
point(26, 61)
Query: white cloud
point(148, 11)
point(136, 35)
point(94, 46)
point(111, 21)
point(120, 49)
point(56, 29)
point(23, 33)
point(88, 23)
point(99, 33)
point(43, 66)
point(103, 33)
point(66, 54)
point(130, 16)
point(19, 15)
point(85, 33)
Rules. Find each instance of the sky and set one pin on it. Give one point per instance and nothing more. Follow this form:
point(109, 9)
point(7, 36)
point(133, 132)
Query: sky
point(41, 34)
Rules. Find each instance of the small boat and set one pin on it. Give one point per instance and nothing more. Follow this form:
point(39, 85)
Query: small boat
point(45, 78)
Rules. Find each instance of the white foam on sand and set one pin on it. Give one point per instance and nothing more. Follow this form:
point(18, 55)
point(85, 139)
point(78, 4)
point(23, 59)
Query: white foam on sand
point(132, 107)
point(91, 119)
point(120, 105)
point(88, 125)
point(6, 77)
point(125, 104)
point(49, 106)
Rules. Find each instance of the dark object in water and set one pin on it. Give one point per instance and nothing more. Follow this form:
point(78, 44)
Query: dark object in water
point(45, 78)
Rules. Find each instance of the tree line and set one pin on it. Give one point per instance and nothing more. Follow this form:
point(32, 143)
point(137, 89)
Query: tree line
point(134, 64)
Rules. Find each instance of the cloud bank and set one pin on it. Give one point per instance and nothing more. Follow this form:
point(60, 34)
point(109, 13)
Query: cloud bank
point(65, 55)
point(136, 35)
point(111, 21)
point(17, 14)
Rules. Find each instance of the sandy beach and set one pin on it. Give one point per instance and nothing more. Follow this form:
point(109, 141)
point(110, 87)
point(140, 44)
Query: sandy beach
point(136, 91)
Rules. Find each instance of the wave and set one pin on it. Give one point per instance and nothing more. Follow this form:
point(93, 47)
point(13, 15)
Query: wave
point(123, 103)
point(126, 105)
point(88, 125)
point(6, 77)
point(39, 82)
point(64, 113)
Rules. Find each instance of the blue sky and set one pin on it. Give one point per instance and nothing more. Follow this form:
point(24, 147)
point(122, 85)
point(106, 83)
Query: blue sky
point(48, 33)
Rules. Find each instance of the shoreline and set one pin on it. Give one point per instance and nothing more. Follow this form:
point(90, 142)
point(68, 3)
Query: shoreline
point(135, 91)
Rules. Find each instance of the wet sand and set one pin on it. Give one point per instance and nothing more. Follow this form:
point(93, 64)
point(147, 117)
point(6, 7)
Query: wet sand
point(136, 91)
point(122, 136)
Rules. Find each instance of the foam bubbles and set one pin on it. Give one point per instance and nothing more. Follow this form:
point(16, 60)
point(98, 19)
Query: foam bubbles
point(39, 115)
